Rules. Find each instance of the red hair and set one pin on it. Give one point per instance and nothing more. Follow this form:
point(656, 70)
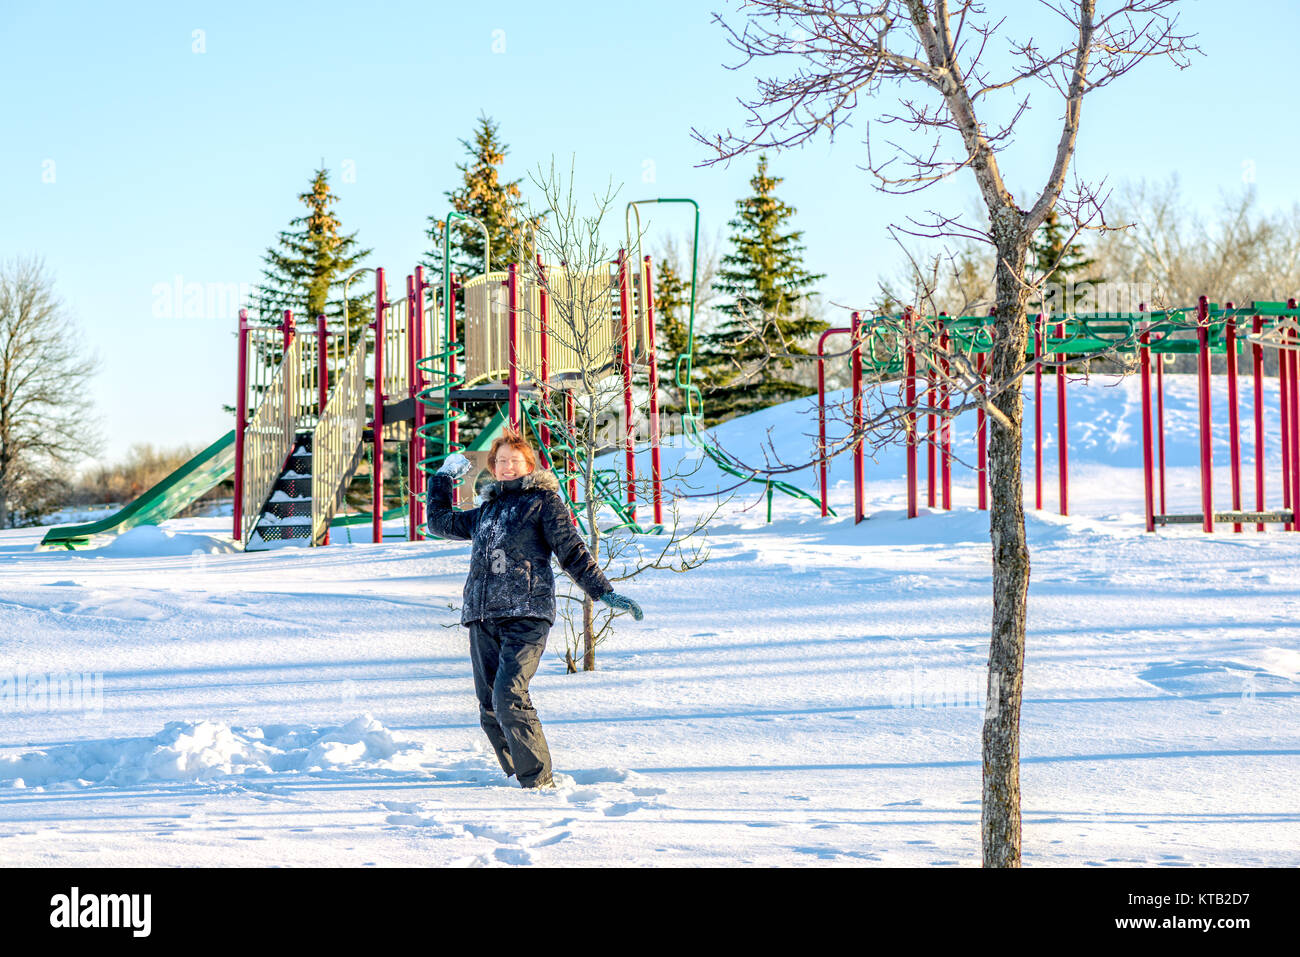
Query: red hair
point(512, 439)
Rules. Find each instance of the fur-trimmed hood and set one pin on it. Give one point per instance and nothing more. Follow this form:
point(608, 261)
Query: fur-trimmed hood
point(538, 478)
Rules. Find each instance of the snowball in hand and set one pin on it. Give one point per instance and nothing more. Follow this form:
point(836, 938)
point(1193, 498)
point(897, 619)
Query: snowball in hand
point(455, 465)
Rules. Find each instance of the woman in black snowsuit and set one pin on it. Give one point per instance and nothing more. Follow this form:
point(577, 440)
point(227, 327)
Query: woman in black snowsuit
point(509, 600)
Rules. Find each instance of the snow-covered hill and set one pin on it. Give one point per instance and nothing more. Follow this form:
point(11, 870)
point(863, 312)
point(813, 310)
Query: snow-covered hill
point(812, 694)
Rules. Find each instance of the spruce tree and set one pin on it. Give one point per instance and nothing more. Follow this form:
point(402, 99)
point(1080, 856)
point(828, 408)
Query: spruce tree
point(672, 334)
point(768, 289)
point(484, 196)
point(1068, 262)
point(306, 271)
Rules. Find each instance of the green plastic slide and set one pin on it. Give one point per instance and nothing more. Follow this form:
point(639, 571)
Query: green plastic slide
point(199, 475)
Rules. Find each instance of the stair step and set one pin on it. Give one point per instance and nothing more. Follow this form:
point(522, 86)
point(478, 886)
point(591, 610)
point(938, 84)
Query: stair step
point(288, 509)
point(299, 462)
point(273, 533)
point(296, 487)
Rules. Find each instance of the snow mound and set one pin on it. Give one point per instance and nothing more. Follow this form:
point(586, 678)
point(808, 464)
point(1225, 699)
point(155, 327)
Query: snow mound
point(150, 541)
point(206, 750)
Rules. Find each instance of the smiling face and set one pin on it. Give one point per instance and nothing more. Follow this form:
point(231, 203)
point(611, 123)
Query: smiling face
point(510, 463)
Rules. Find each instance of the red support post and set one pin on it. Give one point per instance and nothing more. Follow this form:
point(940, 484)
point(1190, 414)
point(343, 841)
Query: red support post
point(412, 469)
point(1257, 368)
point(1148, 485)
point(377, 425)
point(930, 427)
point(241, 420)
point(417, 423)
point(1203, 382)
point(288, 328)
point(1160, 425)
point(544, 343)
point(569, 463)
point(512, 325)
point(1234, 426)
point(1062, 429)
point(322, 381)
point(1293, 377)
point(945, 426)
point(1038, 411)
point(625, 334)
point(859, 504)
point(453, 427)
point(909, 322)
point(1283, 381)
point(654, 392)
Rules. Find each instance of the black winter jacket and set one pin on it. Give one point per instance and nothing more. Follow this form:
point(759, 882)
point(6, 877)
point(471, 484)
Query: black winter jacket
point(519, 524)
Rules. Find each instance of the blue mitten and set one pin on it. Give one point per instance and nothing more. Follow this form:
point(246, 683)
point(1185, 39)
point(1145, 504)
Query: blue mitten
point(455, 465)
point(615, 600)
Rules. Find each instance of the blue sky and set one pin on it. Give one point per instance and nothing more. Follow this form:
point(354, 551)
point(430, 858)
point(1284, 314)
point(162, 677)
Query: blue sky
point(130, 159)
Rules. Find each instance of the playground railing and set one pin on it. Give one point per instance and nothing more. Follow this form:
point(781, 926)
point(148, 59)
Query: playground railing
point(582, 319)
point(270, 435)
point(336, 442)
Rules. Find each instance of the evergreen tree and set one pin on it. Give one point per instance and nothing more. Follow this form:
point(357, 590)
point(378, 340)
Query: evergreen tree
point(1068, 263)
point(305, 272)
point(488, 199)
point(768, 290)
point(672, 334)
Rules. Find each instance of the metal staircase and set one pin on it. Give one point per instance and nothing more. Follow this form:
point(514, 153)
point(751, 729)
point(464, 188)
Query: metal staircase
point(286, 518)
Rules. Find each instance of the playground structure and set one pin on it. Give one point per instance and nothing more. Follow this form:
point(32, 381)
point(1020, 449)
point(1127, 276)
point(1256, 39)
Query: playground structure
point(302, 397)
point(1203, 330)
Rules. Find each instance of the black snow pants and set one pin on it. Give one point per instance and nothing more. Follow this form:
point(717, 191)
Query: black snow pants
point(505, 653)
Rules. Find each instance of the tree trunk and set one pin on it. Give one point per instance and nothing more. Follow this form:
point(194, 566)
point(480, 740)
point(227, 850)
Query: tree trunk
point(1000, 822)
point(588, 636)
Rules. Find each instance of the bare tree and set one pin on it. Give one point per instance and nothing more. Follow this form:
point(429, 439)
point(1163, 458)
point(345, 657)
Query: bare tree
point(577, 284)
point(930, 56)
point(45, 428)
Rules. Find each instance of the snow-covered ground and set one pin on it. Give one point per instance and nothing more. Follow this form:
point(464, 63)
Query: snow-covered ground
point(813, 694)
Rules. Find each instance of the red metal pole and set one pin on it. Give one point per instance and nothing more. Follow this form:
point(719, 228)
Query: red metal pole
point(945, 427)
point(1203, 381)
point(982, 438)
point(322, 382)
point(1293, 377)
point(859, 507)
point(544, 342)
point(1038, 411)
point(1148, 489)
point(1234, 426)
point(453, 427)
point(909, 320)
point(821, 421)
point(1160, 424)
point(417, 437)
point(654, 392)
point(412, 520)
point(930, 428)
point(377, 466)
point(1283, 380)
point(625, 331)
point(570, 418)
point(241, 420)
point(1062, 429)
point(288, 328)
point(512, 326)
point(1257, 368)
